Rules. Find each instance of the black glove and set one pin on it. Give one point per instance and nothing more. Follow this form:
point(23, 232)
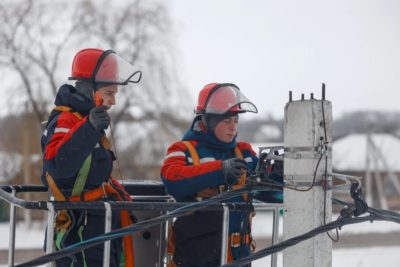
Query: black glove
point(233, 169)
point(99, 118)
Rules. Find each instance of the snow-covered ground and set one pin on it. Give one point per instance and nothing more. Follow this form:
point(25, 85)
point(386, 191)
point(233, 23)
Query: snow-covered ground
point(355, 257)
point(389, 256)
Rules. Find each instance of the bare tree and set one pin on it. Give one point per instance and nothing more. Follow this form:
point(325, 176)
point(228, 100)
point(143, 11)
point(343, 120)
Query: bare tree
point(31, 44)
point(39, 38)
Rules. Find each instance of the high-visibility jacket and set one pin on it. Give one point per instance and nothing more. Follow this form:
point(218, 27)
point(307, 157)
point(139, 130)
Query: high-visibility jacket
point(67, 142)
point(184, 181)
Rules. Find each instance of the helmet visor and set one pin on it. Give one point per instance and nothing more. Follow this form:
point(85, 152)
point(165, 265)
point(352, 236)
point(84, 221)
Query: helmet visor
point(226, 98)
point(115, 70)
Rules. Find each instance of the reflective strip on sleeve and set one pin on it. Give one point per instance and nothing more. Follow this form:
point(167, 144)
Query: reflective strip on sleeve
point(175, 154)
point(61, 130)
point(248, 159)
point(207, 159)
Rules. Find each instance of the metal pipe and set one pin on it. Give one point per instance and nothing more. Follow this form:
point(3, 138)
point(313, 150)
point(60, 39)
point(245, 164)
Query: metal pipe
point(302, 96)
point(107, 228)
point(323, 91)
point(290, 96)
point(225, 233)
point(275, 236)
point(50, 230)
point(11, 252)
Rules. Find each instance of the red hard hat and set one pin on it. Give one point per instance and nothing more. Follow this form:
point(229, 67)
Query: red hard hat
point(84, 63)
point(219, 98)
point(103, 67)
point(203, 95)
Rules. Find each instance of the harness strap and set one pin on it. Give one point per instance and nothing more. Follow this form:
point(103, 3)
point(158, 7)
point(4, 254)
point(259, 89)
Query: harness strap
point(58, 195)
point(81, 178)
point(193, 152)
point(66, 108)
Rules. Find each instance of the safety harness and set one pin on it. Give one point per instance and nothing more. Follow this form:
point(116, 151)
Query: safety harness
point(234, 239)
point(108, 189)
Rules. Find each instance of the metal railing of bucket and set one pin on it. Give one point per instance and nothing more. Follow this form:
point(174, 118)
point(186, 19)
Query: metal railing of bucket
point(162, 204)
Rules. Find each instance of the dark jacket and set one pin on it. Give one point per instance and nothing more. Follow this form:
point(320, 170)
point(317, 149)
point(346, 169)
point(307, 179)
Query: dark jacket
point(66, 143)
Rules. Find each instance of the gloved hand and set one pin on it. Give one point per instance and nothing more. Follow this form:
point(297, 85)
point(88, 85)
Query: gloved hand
point(99, 118)
point(233, 169)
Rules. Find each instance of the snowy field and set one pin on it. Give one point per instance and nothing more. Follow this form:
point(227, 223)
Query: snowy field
point(388, 256)
point(355, 257)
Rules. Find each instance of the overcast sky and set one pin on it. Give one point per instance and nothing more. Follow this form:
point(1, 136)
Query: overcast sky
point(270, 47)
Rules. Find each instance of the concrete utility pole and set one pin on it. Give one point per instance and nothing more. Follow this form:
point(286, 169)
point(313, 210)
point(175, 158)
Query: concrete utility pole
point(308, 125)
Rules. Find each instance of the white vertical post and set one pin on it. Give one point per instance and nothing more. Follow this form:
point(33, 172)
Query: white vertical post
point(50, 231)
point(107, 228)
point(303, 129)
point(13, 221)
point(225, 234)
point(368, 177)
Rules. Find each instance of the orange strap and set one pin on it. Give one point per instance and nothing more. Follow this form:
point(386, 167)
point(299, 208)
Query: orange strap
point(66, 108)
point(58, 195)
point(193, 152)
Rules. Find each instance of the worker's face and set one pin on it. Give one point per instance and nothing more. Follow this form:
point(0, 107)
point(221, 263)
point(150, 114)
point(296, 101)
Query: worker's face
point(226, 129)
point(108, 95)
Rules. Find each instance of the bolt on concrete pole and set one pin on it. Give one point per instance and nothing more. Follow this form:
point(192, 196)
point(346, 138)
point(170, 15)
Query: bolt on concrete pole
point(306, 132)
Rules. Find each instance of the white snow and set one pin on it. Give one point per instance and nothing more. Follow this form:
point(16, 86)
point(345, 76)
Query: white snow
point(354, 257)
point(25, 236)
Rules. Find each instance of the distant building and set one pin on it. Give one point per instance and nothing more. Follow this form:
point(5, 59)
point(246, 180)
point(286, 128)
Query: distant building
point(268, 133)
point(374, 157)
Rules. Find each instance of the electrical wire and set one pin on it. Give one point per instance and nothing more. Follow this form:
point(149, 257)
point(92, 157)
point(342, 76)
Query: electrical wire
point(185, 210)
point(295, 240)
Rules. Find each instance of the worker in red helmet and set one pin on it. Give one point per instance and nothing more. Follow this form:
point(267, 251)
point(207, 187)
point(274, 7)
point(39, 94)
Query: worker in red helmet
point(208, 161)
point(77, 156)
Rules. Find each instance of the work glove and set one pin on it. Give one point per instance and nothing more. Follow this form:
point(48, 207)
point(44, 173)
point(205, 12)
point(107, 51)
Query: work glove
point(232, 170)
point(99, 118)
